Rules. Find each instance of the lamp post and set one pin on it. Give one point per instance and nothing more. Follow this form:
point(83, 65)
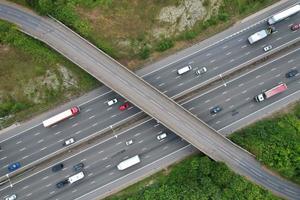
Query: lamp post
point(11, 185)
point(223, 80)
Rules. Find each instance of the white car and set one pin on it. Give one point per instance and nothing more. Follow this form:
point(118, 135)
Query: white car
point(161, 136)
point(112, 102)
point(201, 71)
point(129, 142)
point(11, 197)
point(267, 48)
point(69, 141)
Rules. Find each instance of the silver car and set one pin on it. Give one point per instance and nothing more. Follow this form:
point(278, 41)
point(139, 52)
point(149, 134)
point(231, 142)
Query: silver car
point(69, 141)
point(201, 71)
point(268, 48)
point(161, 136)
point(11, 197)
point(129, 142)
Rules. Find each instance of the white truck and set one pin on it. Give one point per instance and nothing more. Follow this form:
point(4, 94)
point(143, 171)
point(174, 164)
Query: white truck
point(61, 116)
point(76, 177)
point(271, 92)
point(260, 35)
point(129, 162)
point(284, 14)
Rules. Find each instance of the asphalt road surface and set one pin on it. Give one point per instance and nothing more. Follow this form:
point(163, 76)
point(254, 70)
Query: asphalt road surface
point(23, 146)
point(101, 159)
point(169, 114)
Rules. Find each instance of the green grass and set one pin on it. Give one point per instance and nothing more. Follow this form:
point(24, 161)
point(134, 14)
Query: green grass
point(123, 28)
point(195, 178)
point(25, 62)
point(275, 142)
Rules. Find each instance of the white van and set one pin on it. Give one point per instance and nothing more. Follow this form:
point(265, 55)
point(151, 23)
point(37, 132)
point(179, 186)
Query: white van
point(184, 70)
point(76, 177)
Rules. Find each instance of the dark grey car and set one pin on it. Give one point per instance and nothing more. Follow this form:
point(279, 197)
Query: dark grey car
point(57, 167)
point(62, 183)
point(291, 73)
point(78, 167)
point(215, 110)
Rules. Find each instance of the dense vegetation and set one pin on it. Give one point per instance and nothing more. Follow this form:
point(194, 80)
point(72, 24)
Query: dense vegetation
point(196, 178)
point(112, 23)
point(275, 142)
point(25, 60)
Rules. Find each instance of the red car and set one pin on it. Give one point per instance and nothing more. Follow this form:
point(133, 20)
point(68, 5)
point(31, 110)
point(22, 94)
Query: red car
point(124, 106)
point(295, 27)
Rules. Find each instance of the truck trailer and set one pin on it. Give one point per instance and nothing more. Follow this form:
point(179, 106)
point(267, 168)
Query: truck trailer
point(271, 92)
point(61, 116)
point(284, 14)
point(129, 162)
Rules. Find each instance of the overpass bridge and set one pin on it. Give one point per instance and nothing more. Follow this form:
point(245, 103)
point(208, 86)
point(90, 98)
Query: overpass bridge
point(146, 97)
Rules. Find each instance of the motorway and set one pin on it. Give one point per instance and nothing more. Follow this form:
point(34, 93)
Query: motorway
point(229, 154)
point(101, 158)
point(96, 116)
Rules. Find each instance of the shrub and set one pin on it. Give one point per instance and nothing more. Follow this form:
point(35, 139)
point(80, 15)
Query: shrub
point(165, 44)
point(223, 16)
point(145, 52)
point(188, 35)
point(206, 3)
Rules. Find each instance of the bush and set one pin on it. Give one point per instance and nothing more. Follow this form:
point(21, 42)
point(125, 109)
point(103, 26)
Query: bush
point(223, 16)
point(195, 178)
point(145, 52)
point(275, 142)
point(206, 3)
point(297, 111)
point(189, 35)
point(165, 44)
point(10, 106)
point(212, 21)
point(45, 7)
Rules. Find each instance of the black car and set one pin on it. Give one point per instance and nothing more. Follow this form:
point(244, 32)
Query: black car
point(57, 167)
point(78, 167)
point(62, 183)
point(215, 110)
point(291, 73)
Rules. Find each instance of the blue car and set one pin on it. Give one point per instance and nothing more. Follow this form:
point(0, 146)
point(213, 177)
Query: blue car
point(14, 166)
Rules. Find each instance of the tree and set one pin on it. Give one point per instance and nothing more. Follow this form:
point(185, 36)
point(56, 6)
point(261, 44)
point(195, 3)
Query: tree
point(45, 6)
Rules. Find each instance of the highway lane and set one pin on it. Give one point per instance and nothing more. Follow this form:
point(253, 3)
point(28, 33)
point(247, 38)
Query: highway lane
point(102, 159)
point(160, 107)
point(237, 99)
point(165, 79)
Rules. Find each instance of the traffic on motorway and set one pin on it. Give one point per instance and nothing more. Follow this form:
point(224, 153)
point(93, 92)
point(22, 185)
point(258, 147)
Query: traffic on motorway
point(193, 70)
point(203, 66)
point(103, 162)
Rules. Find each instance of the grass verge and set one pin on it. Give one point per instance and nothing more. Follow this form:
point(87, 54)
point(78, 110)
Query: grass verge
point(195, 178)
point(129, 30)
point(275, 142)
point(28, 72)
